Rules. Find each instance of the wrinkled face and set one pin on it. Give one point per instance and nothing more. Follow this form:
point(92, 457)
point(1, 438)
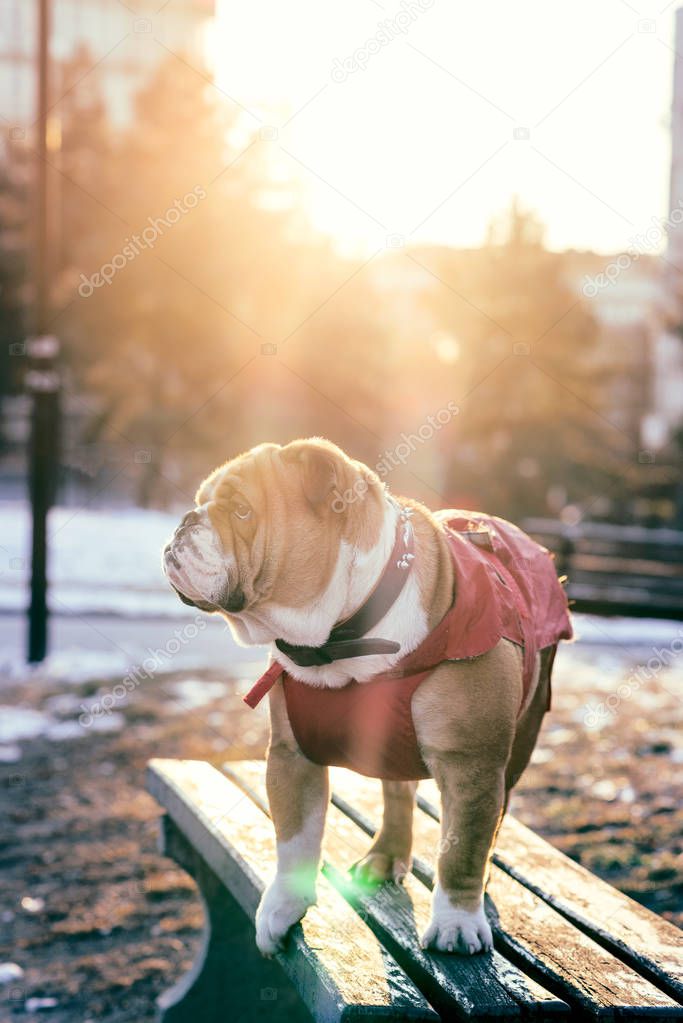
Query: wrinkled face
point(268, 532)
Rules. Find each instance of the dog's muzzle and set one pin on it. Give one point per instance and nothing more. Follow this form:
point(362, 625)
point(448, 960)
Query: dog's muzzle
point(197, 567)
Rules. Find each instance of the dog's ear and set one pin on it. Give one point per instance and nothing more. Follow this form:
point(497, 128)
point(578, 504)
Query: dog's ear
point(207, 488)
point(320, 468)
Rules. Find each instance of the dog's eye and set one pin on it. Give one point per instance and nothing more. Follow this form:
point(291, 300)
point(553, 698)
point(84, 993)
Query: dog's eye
point(241, 510)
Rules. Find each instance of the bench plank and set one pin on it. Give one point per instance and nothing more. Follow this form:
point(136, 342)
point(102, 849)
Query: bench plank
point(478, 987)
point(650, 944)
point(339, 968)
point(531, 932)
point(617, 569)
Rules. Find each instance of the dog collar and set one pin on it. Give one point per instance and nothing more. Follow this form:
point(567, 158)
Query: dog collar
point(348, 639)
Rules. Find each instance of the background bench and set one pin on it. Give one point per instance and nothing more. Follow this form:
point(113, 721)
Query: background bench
point(568, 946)
point(624, 570)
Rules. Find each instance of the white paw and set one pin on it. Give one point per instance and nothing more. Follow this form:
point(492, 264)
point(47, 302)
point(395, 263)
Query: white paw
point(457, 930)
point(280, 908)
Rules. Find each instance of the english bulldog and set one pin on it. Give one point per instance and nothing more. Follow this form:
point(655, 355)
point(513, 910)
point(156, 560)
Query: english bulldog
point(405, 644)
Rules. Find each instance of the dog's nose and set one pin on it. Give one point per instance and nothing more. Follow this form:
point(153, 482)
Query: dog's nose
point(190, 519)
point(236, 602)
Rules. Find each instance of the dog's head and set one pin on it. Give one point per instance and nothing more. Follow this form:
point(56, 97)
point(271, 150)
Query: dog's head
point(268, 532)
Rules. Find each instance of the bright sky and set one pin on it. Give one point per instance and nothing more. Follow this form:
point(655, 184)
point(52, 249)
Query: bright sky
point(421, 142)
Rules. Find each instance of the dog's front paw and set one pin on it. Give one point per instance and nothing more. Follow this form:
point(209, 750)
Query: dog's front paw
point(377, 867)
point(457, 930)
point(280, 908)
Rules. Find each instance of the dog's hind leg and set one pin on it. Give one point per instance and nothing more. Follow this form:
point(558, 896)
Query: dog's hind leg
point(388, 858)
point(530, 723)
point(465, 720)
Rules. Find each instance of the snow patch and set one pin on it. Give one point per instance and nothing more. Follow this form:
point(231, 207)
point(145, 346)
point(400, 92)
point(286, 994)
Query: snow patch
point(193, 693)
point(10, 972)
point(76, 666)
point(638, 632)
point(122, 575)
point(18, 723)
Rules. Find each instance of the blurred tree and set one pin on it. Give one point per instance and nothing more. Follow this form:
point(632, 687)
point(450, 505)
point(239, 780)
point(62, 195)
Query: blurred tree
point(203, 314)
point(161, 242)
point(206, 316)
point(82, 165)
point(343, 355)
point(526, 373)
point(210, 267)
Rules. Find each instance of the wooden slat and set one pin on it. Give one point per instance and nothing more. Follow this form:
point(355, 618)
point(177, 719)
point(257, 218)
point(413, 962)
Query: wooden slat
point(537, 937)
point(650, 943)
point(630, 583)
point(624, 588)
point(338, 966)
point(474, 988)
point(647, 551)
point(622, 564)
point(647, 942)
point(617, 570)
point(660, 537)
point(593, 600)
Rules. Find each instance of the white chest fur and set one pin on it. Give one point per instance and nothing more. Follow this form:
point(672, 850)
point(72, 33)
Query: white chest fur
point(354, 578)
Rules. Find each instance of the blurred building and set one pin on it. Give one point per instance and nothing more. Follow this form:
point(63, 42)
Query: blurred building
point(125, 43)
point(122, 43)
point(626, 295)
point(667, 416)
point(627, 309)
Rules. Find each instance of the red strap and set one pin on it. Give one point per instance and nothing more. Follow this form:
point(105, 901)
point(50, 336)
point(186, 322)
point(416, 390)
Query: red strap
point(263, 685)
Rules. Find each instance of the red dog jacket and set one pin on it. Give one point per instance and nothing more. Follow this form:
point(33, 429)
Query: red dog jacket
point(505, 587)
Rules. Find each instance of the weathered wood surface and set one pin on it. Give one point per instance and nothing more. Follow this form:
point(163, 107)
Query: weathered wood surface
point(337, 965)
point(650, 944)
point(228, 970)
point(631, 572)
point(531, 932)
point(476, 987)
point(609, 598)
point(554, 935)
point(658, 543)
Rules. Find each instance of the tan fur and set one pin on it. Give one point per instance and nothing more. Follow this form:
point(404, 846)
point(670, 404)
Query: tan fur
point(433, 563)
point(465, 713)
point(288, 771)
point(465, 717)
point(530, 723)
point(389, 856)
point(295, 786)
point(287, 550)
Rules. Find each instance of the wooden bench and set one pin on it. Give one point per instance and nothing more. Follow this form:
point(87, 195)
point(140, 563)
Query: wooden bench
point(617, 570)
point(568, 946)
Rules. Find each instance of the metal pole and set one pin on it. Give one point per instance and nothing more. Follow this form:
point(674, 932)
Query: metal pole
point(42, 378)
point(41, 253)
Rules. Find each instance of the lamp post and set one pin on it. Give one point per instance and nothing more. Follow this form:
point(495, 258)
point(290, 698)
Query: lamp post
point(42, 377)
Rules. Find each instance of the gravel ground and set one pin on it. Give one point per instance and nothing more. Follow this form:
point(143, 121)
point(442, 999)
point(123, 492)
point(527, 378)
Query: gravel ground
point(100, 924)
